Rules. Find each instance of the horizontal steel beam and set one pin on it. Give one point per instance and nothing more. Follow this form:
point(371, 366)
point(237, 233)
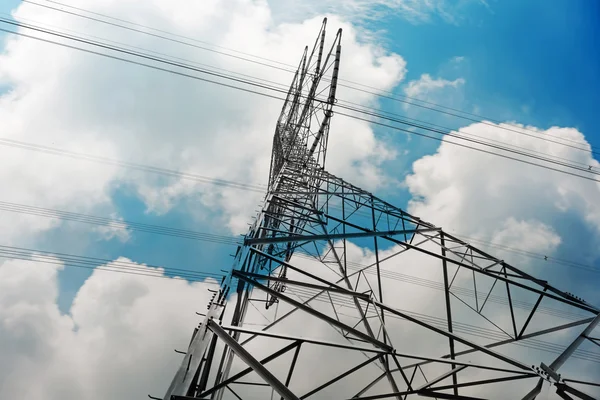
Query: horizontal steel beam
point(484, 382)
point(347, 292)
point(439, 395)
point(305, 340)
point(335, 236)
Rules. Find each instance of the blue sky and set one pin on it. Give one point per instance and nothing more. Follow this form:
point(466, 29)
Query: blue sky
point(533, 63)
point(521, 61)
point(524, 61)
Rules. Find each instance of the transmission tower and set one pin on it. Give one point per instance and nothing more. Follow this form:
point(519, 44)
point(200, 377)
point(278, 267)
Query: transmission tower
point(299, 317)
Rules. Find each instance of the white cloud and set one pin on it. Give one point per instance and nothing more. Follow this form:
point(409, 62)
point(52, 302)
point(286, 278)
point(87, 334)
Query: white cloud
point(425, 87)
point(114, 229)
point(92, 105)
point(492, 198)
point(116, 342)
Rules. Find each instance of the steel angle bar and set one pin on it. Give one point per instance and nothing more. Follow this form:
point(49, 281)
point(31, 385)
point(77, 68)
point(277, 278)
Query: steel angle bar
point(559, 297)
point(491, 271)
point(425, 393)
point(537, 303)
point(563, 395)
point(440, 395)
point(301, 271)
point(252, 362)
point(577, 393)
point(363, 315)
point(404, 250)
point(485, 381)
point(383, 395)
point(246, 371)
point(306, 284)
point(510, 304)
point(250, 383)
point(351, 235)
point(448, 310)
point(440, 378)
point(458, 362)
point(560, 360)
point(498, 262)
point(340, 376)
point(237, 396)
point(581, 382)
point(305, 340)
point(370, 385)
point(315, 313)
point(480, 314)
point(595, 341)
point(292, 366)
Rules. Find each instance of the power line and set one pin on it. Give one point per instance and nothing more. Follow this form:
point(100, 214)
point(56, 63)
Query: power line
point(130, 53)
point(153, 169)
point(527, 152)
point(464, 131)
point(162, 31)
point(117, 223)
point(468, 147)
point(196, 63)
point(591, 150)
point(120, 266)
point(232, 241)
point(221, 239)
point(156, 35)
point(239, 186)
point(376, 115)
point(481, 142)
point(130, 165)
point(378, 92)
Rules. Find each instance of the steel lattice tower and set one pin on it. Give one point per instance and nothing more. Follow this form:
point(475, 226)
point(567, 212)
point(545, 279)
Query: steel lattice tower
point(334, 328)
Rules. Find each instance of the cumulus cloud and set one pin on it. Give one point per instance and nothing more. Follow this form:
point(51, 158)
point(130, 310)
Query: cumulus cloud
point(426, 87)
point(497, 200)
point(117, 340)
point(84, 103)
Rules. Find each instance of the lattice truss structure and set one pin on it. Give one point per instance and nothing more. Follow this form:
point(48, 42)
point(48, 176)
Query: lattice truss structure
point(337, 294)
